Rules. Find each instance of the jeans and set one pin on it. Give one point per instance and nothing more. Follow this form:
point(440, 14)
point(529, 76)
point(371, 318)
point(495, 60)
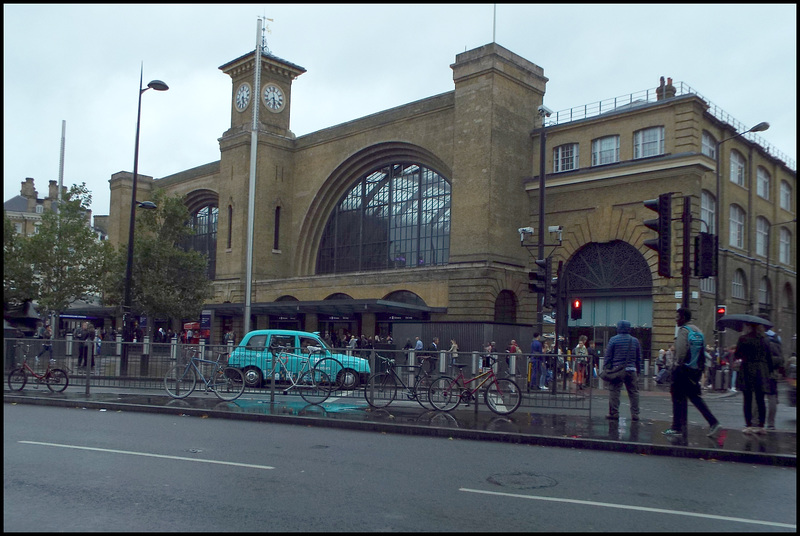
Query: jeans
point(630, 380)
point(685, 386)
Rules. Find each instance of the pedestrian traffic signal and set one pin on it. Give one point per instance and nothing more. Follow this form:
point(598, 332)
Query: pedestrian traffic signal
point(552, 297)
point(538, 278)
point(577, 309)
point(705, 255)
point(663, 226)
point(721, 311)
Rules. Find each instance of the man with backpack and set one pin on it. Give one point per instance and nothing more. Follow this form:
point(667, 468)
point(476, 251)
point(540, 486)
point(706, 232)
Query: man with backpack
point(775, 347)
point(687, 369)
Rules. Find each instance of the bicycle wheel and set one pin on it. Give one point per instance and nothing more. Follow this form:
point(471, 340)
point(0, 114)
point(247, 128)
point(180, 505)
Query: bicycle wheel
point(335, 371)
point(381, 390)
point(422, 386)
point(17, 379)
point(444, 393)
point(180, 381)
point(57, 380)
point(503, 396)
point(315, 386)
point(228, 384)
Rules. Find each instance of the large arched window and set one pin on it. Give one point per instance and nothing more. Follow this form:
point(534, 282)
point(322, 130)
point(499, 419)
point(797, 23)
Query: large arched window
point(204, 239)
point(396, 216)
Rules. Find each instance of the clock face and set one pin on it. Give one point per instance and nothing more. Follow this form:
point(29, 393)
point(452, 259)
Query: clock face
point(273, 98)
point(242, 97)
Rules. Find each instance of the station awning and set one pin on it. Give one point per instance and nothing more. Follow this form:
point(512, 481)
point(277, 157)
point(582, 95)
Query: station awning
point(326, 307)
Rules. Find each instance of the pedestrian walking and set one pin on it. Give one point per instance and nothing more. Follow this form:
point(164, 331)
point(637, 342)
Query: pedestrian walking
point(754, 374)
point(581, 354)
point(453, 351)
point(687, 369)
point(624, 351)
point(536, 360)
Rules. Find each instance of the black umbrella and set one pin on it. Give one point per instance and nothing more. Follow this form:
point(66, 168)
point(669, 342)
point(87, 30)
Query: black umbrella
point(737, 322)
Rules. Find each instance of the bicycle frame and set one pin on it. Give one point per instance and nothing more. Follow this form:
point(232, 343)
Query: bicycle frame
point(280, 366)
point(486, 376)
point(194, 360)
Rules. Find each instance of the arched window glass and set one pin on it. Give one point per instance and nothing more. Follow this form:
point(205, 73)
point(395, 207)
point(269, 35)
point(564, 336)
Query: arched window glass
point(204, 239)
point(738, 285)
point(396, 216)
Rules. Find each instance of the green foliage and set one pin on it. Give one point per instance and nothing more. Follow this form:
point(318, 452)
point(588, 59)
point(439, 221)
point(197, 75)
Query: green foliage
point(65, 254)
point(18, 282)
point(167, 281)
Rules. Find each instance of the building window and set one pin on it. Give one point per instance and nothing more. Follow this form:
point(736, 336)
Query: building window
point(565, 158)
point(786, 196)
point(709, 145)
point(18, 228)
point(737, 226)
point(762, 236)
point(785, 246)
point(708, 284)
point(204, 239)
point(708, 210)
point(737, 168)
point(276, 244)
point(230, 225)
point(39, 209)
point(648, 142)
point(738, 285)
point(396, 216)
point(605, 150)
point(762, 182)
point(764, 294)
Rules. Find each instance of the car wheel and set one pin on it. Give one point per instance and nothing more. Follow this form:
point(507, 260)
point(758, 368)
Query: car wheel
point(347, 379)
point(252, 377)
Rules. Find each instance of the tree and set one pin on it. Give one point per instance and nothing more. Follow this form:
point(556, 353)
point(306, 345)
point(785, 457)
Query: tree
point(65, 254)
point(166, 279)
point(18, 281)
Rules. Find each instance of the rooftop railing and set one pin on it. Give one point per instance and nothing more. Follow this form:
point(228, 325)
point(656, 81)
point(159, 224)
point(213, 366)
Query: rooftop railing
point(632, 100)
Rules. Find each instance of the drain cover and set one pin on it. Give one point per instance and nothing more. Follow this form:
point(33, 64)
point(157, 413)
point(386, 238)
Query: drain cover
point(522, 480)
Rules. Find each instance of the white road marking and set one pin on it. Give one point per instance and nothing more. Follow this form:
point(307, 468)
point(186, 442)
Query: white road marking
point(639, 508)
point(113, 451)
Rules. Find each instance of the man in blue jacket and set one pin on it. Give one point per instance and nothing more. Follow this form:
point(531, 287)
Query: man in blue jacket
point(623, 350)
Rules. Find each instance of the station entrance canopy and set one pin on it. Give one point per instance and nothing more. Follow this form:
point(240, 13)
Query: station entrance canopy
point(327, 307)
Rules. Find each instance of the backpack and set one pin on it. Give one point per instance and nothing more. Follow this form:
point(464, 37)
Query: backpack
point(775, 348)
point(697, 349)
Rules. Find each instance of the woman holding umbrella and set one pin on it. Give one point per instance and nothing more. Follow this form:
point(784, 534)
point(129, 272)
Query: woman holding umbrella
point(756, 367)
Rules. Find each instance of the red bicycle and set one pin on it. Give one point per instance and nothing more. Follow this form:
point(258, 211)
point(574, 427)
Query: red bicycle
point(56, 379)
point(502, 396)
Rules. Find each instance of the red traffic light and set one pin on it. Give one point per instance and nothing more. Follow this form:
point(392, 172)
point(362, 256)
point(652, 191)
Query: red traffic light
point(721, 309)
point(577, 309)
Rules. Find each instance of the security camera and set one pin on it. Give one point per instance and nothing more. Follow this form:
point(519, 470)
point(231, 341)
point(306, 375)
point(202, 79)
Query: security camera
point(555, 229)
point(545, 110)
point(523, 231)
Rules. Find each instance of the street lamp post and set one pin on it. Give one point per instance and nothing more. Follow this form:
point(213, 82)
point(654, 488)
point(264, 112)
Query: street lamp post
point(158, 85)
point(760, 127)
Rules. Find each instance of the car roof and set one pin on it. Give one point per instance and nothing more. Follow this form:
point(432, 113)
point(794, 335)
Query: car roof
point(280, 332)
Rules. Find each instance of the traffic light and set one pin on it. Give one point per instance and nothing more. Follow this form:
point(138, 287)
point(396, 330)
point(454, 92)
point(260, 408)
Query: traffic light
point(551, 297)
point(721, 311)
point(577, 309)
point(663, 226)
point(538, 279)
point(705, 255)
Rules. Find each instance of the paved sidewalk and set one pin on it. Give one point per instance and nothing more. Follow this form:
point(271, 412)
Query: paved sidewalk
point(558, 428)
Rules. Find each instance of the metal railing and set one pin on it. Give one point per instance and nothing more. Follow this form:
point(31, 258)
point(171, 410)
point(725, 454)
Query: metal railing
point(627, 102)
point(148, 363)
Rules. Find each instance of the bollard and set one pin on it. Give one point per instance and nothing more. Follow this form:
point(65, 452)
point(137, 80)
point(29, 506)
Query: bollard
point(144, 361)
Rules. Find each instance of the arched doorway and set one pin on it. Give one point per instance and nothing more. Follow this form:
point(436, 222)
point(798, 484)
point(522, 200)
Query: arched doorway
point(614, 281)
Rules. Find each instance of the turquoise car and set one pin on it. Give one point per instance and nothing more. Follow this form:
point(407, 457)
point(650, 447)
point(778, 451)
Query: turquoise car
point(255, 352)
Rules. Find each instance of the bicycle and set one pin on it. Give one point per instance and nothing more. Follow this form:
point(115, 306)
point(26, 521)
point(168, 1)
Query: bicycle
point(381, 389)
point(224, 381)
point(314, 384)
point(502, 395)
point(56, 379)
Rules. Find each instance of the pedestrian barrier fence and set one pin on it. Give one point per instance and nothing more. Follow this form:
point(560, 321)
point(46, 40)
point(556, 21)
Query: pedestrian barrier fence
point(143, 365)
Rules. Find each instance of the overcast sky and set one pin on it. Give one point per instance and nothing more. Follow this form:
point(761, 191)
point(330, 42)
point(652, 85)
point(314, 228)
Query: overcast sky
point(81, 64)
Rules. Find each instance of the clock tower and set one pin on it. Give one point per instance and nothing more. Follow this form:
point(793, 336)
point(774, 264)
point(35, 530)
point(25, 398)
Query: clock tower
point(273, 98)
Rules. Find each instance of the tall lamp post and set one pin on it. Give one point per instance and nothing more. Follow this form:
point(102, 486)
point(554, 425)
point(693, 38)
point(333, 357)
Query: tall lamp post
point(760, 127)
point(158, 85)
